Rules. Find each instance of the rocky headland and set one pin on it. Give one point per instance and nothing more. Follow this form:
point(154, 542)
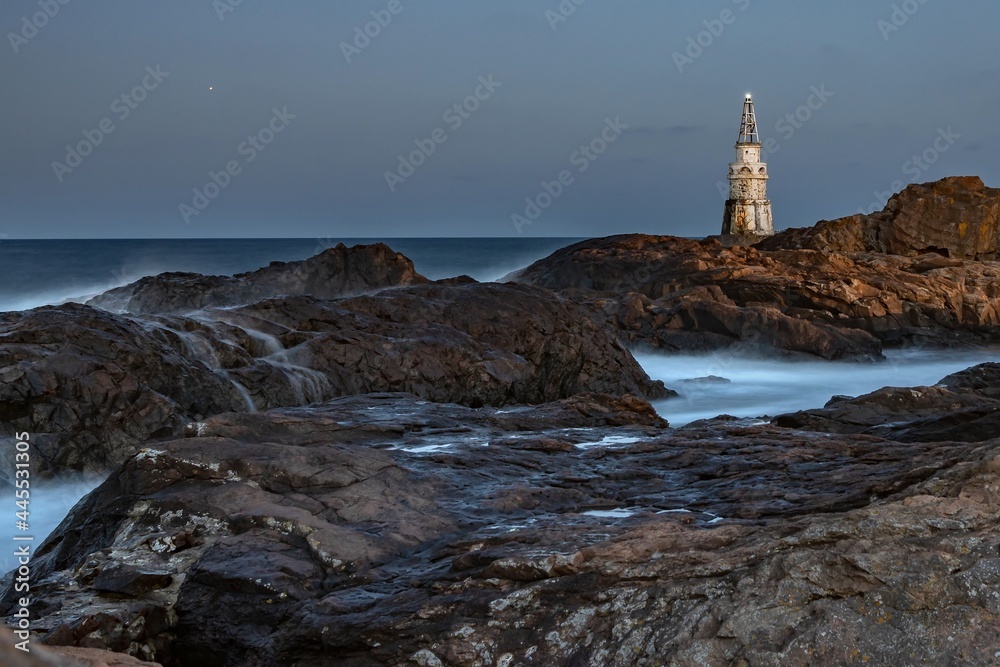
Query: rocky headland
point(921, 272)
point(338, 462)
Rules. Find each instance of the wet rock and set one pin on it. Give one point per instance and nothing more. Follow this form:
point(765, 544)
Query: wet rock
point(291, 544)
point(964, 406)
point(475, 344)
point(335, 272)
point(89, 385)
point(129, 581)
point(707, 380)
point(407, 419)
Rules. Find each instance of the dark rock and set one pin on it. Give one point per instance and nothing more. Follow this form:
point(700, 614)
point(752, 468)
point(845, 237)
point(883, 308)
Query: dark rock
point(335, 272)
point(475, 344)
point(964, 406)
point(125, 580)
point(89, 385)
point(707, 380)
point(422, 544)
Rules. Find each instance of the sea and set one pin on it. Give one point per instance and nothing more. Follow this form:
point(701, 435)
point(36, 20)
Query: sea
point(34, 273)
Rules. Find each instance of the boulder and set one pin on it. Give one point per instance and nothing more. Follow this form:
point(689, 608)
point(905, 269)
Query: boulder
point(475, 344)
point(685, 295)
point(90, 385)
point(957, 217)
point(335, 272)
point(964, 406)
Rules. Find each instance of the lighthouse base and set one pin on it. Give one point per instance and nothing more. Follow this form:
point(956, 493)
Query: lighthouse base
point(748, 217)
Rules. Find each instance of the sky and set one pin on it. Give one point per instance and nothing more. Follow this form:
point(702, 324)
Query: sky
point(338, 118)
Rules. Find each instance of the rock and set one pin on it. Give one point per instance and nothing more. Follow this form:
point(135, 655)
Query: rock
point(87, 386)
point(955, 217)
point(44, 656)
point(707, 380)
point(130, 581)
point(408, 421)
point(964, 406)
point(88, 657)
point(335, 272)
point(90, 385)
point(694, 296)
point(475, 344)
point(296, 544)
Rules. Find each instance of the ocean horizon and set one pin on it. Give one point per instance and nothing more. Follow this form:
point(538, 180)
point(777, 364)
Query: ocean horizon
point(38, 272)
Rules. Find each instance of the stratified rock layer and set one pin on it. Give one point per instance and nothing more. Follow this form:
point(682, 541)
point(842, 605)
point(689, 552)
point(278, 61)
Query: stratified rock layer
point(956, 217)
point(917, 272)
point(682, 295)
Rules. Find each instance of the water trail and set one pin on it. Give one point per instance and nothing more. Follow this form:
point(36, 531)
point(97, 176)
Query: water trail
point(247, 398)
point(195, 345)
point(309, 386)
point(271, 343)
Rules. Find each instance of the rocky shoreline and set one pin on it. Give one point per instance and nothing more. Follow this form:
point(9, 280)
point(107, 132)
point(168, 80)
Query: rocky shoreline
point(339, 462)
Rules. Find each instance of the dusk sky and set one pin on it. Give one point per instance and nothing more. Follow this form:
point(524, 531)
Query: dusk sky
point(887, 79)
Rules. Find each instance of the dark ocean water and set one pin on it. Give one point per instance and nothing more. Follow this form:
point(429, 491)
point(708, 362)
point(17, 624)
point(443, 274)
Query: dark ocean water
point(35, 273)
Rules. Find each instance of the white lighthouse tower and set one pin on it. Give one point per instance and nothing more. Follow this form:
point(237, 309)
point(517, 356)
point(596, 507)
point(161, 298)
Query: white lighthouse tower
point(748, 212)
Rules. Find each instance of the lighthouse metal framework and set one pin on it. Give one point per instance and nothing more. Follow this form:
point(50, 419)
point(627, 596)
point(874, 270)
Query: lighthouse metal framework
point(748, 211)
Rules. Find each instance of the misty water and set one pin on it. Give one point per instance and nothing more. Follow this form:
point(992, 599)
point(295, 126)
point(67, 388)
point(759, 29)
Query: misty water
point(767, 387)
point(50, 502)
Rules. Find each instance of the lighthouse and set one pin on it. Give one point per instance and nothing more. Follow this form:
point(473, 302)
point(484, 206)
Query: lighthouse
point(748, 212)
